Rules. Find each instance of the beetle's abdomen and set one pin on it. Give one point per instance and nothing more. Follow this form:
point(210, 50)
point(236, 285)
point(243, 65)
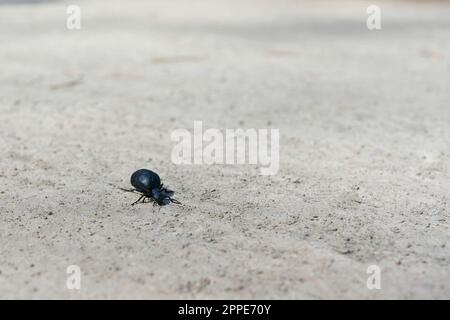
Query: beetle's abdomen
point(145, 180)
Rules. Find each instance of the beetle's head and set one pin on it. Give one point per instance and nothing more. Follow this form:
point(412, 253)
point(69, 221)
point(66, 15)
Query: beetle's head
point(162, 196)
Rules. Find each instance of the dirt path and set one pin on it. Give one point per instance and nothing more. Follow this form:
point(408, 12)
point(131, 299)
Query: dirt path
point(364, 149)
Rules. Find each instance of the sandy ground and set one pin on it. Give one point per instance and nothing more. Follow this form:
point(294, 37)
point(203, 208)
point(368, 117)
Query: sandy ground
point(364, 149)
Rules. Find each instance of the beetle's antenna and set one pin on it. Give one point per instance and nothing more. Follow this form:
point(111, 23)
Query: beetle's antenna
point(175, 201)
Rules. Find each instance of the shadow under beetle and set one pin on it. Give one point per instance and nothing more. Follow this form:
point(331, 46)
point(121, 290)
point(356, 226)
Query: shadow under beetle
point(148, 184)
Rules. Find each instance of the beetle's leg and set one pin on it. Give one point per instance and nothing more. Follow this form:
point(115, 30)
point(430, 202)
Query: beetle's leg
point(123, 189)
point(175, 201)
point(137, 200)
point(129, 190)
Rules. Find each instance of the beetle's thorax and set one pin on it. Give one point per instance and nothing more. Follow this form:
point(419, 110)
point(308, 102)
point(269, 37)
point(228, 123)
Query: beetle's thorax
point(156, 193)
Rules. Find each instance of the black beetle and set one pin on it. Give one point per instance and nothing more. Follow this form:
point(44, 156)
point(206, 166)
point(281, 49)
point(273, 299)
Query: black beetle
point(148, 184)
